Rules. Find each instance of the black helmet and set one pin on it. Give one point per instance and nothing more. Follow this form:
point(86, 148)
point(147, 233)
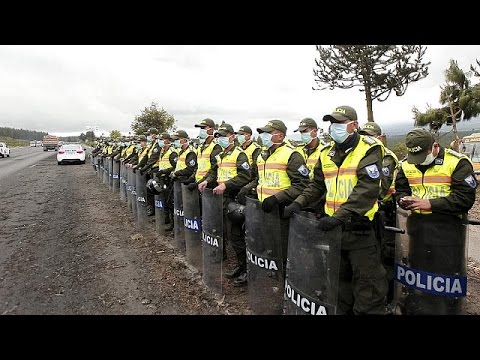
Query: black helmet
point(235, 212)
point(154, 186)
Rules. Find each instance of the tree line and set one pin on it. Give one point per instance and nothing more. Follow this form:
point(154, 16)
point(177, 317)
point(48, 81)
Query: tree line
point(22, 133)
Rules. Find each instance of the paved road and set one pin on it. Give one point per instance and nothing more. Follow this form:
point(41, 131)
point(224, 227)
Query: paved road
point(21, 158)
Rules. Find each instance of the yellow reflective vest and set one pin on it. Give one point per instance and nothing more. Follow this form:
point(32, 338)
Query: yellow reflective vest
point(129, 150)
point(143, 152)
point(272, 173)
point(249, 152)
point(312, 159)
point(391, 189)
point(164, 160)
point(110, 150)
point(436, 180)
point(181, 162)
point(203, 161)
point(227, 166)
point(341, 181)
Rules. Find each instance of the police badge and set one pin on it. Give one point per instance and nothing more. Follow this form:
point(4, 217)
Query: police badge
point(303, 170)
point(470, 180)
point(372, 171)
point(385, 171)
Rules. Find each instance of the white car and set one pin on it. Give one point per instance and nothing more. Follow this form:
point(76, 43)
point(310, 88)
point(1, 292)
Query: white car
point(4, 150)
point(71, 153)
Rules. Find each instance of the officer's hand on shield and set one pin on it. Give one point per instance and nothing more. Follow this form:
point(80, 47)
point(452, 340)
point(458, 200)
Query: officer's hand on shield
point(172, 175)
point(242, 196)
point(202, 186)
point(269, 203)
point(328, 223)
point(192, 186)
point(291, 209)
point(406, 202)
point(220, 189)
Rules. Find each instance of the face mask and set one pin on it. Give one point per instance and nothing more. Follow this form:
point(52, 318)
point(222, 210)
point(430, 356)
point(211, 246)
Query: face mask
point(266, 139)
point(203, 134)
point(139, 146)
point(149, 138)
point(201, 141)
point(161, 143)
point(339, 132)
point(241, 139)
point(307, 138)
point(223, 141)
point(428, 160)
point(177, 144)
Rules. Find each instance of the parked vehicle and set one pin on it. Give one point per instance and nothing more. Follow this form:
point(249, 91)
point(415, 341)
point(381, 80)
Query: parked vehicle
point(50, 142)
point(4, 150)
point(71, 153)
point(471, 147)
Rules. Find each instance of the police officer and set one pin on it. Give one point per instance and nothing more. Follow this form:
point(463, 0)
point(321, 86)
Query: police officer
point(142, 150)
point(252, 150)
point(166, 163)
point(231, 172)
point(206, 151)
point(280, 174)
point(387, 204)
point(348, 171)
point(311, 143)
point(187, 157)
point(438, 185)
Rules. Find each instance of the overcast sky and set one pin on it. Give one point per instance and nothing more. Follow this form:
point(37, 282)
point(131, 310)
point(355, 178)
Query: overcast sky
point(63, 89)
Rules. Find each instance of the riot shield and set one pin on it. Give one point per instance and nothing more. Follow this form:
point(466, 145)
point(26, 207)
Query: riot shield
point(193, 226)
point(116, 176)
point(313, 264)
point(430, 264)
point(160, 214)
point(141, 187)
point(129, 188)
point(179, 228)
point(264, 259)
point(212, 240)
point(94, 162)
point(105, 171)
point(110, 173)
point(133, 193)
point(122, 183)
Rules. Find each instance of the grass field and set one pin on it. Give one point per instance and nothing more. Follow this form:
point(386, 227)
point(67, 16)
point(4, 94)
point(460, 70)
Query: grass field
point(14, 142)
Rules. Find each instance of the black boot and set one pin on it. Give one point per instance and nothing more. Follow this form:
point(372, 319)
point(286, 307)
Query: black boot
point(235, 272)
point(241, 280)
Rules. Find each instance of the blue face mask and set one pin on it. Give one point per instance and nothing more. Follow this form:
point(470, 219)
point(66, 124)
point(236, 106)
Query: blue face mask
point(161, 143)
point(177, 144)
point(306, 137)
point(266, 139)
point(149, 138)
point(203, 134)
point(241, 139)
point(223, 141)
point(339, 132)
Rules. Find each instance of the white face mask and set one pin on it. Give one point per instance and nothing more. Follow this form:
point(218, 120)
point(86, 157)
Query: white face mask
point(428, 160)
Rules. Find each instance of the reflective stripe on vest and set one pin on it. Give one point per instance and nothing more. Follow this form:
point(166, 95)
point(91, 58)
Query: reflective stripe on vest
point(249, 152)
point(436, 180)
point(391, 189)
point(203, 161)
point(311, 159)
point(227, 166)
point(272, 173)
point(341, 181)
point(164, 160)
point(181, 162)
point(129, 150)
point(143, 152)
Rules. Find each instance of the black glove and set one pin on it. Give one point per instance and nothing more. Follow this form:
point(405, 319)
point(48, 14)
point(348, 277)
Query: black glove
point(161, 172)
point(141, 171)
point(328, 223)
point(192, 186)
point(172, 175)
point(269, 203)
point(291, 209)
point(241, 197)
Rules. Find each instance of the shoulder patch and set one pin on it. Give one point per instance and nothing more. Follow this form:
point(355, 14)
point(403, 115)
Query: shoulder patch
point(454, 153)
point(245, 165)
point(470, 180)
point(372, 171)
point(369, 140)
point(155, 150)
point(175, 159)
point(192, 162)
point(385, 171)
point(303, 170)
